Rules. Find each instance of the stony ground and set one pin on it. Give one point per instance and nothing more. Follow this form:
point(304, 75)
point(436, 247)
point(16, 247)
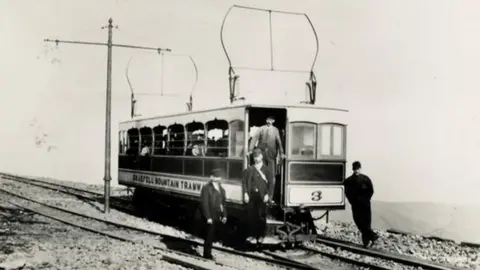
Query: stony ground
point(35, 242)
point(95, 209)
point(436, 251)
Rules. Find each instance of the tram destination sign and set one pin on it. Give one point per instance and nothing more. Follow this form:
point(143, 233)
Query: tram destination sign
point(189, 186)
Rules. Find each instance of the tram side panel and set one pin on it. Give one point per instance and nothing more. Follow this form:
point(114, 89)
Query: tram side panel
point(188, 187)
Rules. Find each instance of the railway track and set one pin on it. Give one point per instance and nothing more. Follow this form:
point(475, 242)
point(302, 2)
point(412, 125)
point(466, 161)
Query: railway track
point(164, 238)
point(398, 258)
point(113, 231)
point(283, 260)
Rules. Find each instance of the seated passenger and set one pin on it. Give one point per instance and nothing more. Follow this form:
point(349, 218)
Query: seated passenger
point(258, 190)
point(145, 150)
point(198, 150)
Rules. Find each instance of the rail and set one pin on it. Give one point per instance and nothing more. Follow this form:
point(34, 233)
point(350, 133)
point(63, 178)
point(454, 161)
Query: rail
point(338, 244)
point(176, 257)
point(399, 258)
point(282, 263)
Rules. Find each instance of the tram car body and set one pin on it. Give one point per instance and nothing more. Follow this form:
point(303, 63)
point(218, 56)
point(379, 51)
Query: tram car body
point(168, 159)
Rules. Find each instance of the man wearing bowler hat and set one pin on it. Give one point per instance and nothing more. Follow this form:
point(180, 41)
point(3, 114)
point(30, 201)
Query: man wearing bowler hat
point(268, 138)
point(212, 209)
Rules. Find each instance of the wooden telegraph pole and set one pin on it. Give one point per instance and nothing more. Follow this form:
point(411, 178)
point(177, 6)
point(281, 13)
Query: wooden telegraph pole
point(108, 115)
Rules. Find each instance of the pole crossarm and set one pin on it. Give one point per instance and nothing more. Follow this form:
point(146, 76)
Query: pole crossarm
point(106, 44)
point(108, 114)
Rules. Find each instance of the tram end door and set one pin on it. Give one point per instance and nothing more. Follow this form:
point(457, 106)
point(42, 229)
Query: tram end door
point(257, 118)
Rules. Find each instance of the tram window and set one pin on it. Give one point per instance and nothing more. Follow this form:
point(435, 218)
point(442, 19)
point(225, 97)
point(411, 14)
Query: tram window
point(332, 141)
point(133, 141)
point(146, 137)
point(253, 131)
point(217, 138)
point(303, 140)
point(176, 134)
point(237, 138)
point(195, 139)
point(125, 141)
point(337, 140)
point(160, 139)
point(325, 140)
point(121, 142)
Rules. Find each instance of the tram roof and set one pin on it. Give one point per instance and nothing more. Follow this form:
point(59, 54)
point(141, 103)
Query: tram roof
point(253, 105)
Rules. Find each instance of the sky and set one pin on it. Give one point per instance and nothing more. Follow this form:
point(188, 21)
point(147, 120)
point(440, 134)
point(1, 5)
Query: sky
point(406, 70)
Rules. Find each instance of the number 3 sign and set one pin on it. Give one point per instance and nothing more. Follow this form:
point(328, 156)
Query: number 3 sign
point(316, 195)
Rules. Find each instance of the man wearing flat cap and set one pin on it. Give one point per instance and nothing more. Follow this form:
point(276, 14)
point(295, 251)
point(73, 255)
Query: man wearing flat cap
point(213, 209)
point(359, 192)
point(268, 138)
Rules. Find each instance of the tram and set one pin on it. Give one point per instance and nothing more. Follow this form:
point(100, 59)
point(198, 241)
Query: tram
point(310, 177)
point(168, 159)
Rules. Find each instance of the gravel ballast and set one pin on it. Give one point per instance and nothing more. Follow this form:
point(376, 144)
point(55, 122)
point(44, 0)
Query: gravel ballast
point(94, 209)
point(36, 242)
point(433, 250)
point(444, 252)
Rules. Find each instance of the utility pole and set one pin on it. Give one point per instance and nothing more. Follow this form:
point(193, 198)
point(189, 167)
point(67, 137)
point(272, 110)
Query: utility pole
point(107, 177)
point(108, 117)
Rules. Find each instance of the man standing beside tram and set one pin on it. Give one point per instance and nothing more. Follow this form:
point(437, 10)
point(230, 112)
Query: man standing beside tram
point(359, 192)
point(212, 210)
point(270, 143)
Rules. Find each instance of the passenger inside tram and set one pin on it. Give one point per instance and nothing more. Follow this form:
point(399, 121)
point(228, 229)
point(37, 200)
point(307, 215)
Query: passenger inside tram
point(145, 149)
point(258, 121)
point(198, 150)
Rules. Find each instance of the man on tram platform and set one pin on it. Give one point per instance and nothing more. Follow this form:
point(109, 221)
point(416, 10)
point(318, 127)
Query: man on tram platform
point(258, 189)
point(269, 141)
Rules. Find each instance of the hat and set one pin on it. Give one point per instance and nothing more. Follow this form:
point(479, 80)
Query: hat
point(256, 152)
point(356, 165)
point(216, 173)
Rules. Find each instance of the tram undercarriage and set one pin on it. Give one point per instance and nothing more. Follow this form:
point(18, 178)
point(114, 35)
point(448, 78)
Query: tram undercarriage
point(286, 226)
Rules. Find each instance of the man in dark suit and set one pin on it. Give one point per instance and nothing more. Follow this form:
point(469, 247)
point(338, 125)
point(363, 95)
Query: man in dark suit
point(213, 209)
point(257, 190)
point(359, 192)
point(269, 141)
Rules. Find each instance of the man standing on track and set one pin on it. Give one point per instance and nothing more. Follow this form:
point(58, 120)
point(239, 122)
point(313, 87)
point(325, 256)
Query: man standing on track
point(212, 209)
point(257, 189)
point(268, 138)
point(359, 192)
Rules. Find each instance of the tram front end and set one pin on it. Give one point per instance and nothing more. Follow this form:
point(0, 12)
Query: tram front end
point(313, 172)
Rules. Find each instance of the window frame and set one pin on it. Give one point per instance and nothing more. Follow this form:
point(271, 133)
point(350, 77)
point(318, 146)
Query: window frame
point(152, 137)
point(164, 129)
point(122, 143)
point(207, 131)
point(190, 134)
point(291, 135)
point(343, 139)
point(230, 139)
point(170, 141)
point(129, 143)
